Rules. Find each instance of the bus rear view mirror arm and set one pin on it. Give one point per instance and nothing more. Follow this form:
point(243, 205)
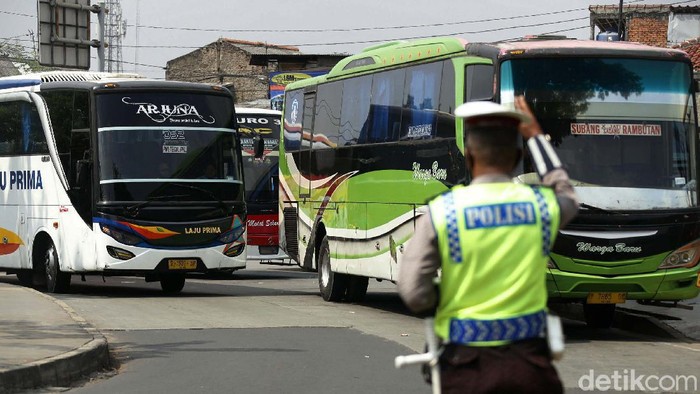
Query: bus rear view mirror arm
point(258, 146)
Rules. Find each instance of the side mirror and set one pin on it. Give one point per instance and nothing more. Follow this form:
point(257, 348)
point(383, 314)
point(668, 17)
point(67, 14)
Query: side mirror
point(82, 173)
point(258, 146)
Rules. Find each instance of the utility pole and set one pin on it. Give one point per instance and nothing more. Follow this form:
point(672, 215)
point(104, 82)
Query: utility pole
point(620, 30)
point(138, 21)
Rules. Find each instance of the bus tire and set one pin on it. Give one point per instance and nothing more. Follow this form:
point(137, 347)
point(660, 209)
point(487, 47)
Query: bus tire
point(26, 277)
point(599, 315)
point(357, 288)
point(57, 281)
point(172, 283)
point(333, 285)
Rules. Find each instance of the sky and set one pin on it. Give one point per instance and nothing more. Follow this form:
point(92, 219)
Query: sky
point(160, 30)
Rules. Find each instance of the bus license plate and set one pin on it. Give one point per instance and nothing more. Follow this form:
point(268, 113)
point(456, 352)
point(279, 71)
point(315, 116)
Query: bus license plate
point(606, 298)
point(182, 264)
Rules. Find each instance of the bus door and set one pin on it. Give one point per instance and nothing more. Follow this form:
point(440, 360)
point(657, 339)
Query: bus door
point(11, 134)
point(307, 138)
point(71, 116)
point(305, 182)
point(27, 187)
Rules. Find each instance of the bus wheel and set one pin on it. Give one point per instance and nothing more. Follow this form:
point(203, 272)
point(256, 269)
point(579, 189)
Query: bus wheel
point(172, 283)
point(56, 280)
point(332, 284)
point(357, 288)
point(599, 315)
point(26, 277)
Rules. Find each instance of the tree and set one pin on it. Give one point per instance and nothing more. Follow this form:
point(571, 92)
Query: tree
point(27, 58)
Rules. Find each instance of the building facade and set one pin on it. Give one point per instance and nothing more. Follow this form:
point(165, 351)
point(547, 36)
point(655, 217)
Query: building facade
point(245, 66)
point(658, 25)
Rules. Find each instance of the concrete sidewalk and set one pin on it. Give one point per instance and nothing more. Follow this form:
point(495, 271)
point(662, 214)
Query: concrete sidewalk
point(43, 342)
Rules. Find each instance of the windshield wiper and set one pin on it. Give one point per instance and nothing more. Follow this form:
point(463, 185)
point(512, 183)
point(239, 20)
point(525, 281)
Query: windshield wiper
point(134, 209)
point(597, 209)
point(222, 204)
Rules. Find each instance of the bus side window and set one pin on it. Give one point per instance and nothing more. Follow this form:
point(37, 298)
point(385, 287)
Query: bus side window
point(479, 82)
point(60, 104)
point(327, 118)
point(34, 138)
point(355, 107)
point(21, 129)
point(385, 112)
point(10, 127)
point(446, 106)
point(80, 131)
point(293, 112)
point(421, 98)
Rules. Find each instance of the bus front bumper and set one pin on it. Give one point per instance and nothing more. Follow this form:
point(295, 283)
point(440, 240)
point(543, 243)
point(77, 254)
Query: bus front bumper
point(666, 285)
point(178, 260)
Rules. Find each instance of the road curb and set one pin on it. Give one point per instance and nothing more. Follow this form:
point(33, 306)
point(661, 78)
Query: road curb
point(62, 369)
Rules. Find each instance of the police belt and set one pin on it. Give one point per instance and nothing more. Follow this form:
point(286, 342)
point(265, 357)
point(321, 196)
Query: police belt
point(466, 331)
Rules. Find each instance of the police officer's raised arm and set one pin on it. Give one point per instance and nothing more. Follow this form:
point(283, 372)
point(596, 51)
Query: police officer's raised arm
point(547, 163)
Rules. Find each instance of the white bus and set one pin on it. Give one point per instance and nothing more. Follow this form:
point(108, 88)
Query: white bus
point(118, 175)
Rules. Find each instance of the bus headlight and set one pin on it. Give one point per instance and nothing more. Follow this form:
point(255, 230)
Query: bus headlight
point(234, 250)
point(231, 235)
point(121, 236)
point(120, 254)
point(686, 256)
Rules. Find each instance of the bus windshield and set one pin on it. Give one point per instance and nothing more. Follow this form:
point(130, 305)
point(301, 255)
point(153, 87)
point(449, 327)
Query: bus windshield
point(623, 128)
point(185, 145)
point(261, 177)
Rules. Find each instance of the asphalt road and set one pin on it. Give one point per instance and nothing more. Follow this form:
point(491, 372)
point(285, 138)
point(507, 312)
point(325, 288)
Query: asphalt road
point(267, 330)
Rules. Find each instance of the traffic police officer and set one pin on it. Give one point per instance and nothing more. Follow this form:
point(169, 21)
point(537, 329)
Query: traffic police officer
point(491, 240)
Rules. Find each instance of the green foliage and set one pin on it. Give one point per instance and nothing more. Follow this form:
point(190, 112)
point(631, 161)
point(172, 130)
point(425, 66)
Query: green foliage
point(20, 54)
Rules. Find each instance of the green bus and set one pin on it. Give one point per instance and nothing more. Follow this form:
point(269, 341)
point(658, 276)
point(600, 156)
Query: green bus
point(365, 146)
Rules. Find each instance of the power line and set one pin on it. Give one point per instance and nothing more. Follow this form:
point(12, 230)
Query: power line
point(17, 14)
point(452, 34)
point(379, 40)
point(358, 28)
point(218, 30)
point(134, 64)
point(16, 38)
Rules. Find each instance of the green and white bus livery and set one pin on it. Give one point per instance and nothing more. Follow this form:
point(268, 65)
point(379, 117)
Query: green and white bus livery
point(365, 146)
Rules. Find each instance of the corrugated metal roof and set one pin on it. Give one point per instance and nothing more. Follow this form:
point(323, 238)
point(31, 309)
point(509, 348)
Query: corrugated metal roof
point(643, 8)
point(692, 48)
point(262, 48)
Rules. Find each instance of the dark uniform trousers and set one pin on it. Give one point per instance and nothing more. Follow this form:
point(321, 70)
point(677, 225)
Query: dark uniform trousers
point(520, 367)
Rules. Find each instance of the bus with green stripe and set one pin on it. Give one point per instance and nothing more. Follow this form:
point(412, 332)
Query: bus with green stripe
point(365, 146)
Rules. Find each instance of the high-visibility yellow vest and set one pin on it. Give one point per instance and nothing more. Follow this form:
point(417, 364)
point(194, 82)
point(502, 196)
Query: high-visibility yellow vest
point(494, 241)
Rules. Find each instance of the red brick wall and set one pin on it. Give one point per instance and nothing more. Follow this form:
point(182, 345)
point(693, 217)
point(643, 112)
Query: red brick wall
point(648, 29)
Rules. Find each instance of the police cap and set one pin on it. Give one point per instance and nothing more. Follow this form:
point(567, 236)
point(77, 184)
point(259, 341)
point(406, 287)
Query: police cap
point(480, 113)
